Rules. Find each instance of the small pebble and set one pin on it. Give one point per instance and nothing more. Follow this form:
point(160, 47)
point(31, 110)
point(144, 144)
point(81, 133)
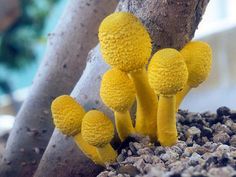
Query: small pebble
point(232, 141)
point(223, 111)
point(207, 132)
point(221, 138)
point(206, 148)
point(193, 131)
point(128, 169)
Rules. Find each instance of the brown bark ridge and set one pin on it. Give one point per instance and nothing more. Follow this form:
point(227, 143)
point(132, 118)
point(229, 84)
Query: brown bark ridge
point(65, 59)
point(171, 23)
point(9, 12)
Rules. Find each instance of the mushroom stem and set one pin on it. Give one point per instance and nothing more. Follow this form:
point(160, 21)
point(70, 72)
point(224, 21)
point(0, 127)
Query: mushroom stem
point(107, 153)
point(166, 122)
point(124, 124)
point(180, 96)
point(88, 150)
point(146, 104)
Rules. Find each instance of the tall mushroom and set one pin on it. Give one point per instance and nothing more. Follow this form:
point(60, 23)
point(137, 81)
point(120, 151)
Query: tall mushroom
point(198, 58)
point(126, 45)
point(118, 93)
point(168, 74)
point(67, 116)
point(98, 131)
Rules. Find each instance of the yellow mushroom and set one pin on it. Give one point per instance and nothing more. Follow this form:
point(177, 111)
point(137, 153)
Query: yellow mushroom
point(67, 116)
point(168, 74)
point(98, 131)
point(125, 44)
point(118, 93)
point(198, 58)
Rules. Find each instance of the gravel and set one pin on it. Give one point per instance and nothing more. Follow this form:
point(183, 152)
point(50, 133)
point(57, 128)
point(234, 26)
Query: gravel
point(206, 147)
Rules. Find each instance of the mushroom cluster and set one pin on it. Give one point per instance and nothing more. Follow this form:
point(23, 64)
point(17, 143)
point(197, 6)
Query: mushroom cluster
point(157, 88)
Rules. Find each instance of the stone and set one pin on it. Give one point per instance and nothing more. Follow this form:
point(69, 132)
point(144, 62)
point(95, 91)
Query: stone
point(145, 151)
point(223, 111)
point(232, 141)
point(177, 149)
point(159, 150)
point(120, 158)
point(188, 151)
point(195, 159)
point(112, 173)
point(140, 164)
point(133, 149)
point(193, 131)
point(128, 169)
point(222, 149)
point(221, 128)
point(129, 153)
point(233, 127)
point(103, 174)
point(221, 137)
point(137, 145)
point(147, 158)
point(207, 132)
point(221, 172)
point(224, 160)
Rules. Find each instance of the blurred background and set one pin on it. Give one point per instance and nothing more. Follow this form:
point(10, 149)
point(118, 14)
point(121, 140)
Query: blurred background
point(24, 25)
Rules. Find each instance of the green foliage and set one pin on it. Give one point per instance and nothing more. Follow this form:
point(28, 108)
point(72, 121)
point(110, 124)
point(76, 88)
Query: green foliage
point(17, 43)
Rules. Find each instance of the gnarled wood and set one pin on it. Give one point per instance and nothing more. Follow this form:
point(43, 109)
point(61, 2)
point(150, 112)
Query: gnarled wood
point(171, 23)
point(68, 46)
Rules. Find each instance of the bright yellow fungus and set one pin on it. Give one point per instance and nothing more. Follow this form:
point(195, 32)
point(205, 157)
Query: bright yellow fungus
point(146, 105)
point(67, 116)
point(117, 90)
point(198, 58)
point(125, 43)
point(168, 74)
point(98, 131)
point(118, 93)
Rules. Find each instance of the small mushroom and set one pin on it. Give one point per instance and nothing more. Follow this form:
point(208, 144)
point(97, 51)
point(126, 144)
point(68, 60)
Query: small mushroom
point(126, 45)
point(118, 93)
point(98, 131)
point(198, 58)
point(67, 116)
point(168, 74)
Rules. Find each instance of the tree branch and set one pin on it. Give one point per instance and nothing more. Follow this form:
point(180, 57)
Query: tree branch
point(65, 59)
point(171, 23)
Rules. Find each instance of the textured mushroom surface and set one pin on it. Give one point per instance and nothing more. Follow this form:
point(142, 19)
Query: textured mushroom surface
point(125, 43)
point(67, 115)
point(117, 90)
point(198, 58)
point(97, 128)
point(167, 72)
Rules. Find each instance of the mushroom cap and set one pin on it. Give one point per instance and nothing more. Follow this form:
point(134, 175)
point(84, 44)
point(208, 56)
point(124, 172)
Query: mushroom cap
point(97, 128)
point(117, 90)
point(67, 115)
point(167, 72)
point(125, 43)
point(198, 58)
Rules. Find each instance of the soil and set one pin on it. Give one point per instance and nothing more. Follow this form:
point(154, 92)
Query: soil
point(206, 147)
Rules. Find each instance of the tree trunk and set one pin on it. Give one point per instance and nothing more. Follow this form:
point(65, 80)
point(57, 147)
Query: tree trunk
point(171, 23)
point(65, 59)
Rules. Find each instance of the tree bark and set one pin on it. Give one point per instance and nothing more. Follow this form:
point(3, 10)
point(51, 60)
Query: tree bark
point(171, 23)
point(65, 59)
